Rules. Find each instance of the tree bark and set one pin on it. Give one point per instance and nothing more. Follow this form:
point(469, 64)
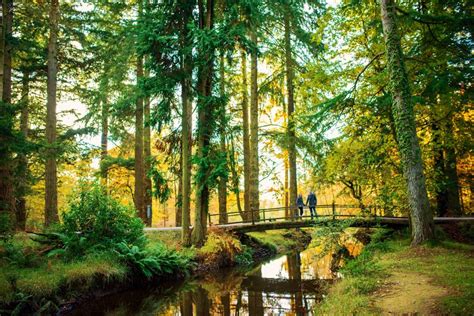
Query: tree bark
point(452, 181)
point(222, 186)
point(7, 200)
point(421, 216)
point(179, 192)
point(147, 160)
point(235, 177)
point(246, 136)
point(22, 171)
point(51, 180)
point(139, 165)
point(204, 128)
point(293, 189)
point(254, 163)
point(440, 194)
point(186, 126)
point(104, 140)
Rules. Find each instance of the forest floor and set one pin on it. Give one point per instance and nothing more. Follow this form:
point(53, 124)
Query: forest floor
point(393, 278)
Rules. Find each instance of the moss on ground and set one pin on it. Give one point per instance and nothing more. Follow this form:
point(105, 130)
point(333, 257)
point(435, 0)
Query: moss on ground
point(282, 240)
point(447, 264)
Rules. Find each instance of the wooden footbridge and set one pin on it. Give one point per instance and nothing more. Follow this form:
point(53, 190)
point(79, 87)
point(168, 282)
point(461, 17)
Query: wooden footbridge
point(284, 218)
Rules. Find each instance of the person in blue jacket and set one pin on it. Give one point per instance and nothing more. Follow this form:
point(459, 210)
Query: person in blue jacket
point(300, 204)
point(312, 201)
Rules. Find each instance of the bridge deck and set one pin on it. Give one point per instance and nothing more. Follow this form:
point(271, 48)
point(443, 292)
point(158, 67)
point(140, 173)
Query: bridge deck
point(394, 222)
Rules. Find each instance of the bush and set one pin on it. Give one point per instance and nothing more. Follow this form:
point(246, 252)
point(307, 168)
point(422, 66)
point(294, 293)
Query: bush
point(96, 221)
point(19, 256)
point(6, 228)
point(220, 248)
point(158, 260)
point(244, 258)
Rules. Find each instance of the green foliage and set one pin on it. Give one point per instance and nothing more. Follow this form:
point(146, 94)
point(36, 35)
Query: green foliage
point(220, 249)
point(6, 228)
point(161, 190)
point(156, 261)
point(19, 256)
point(364, 265)
point(244, 258)
point(96, 221)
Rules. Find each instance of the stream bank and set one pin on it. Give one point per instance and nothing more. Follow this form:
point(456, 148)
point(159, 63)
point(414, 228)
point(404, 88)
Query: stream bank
point(390, 277)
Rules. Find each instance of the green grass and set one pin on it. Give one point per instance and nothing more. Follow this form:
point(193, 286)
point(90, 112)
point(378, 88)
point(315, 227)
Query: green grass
point(54, 276)
point(281, 240)
point(172, 239)
point(446, 263)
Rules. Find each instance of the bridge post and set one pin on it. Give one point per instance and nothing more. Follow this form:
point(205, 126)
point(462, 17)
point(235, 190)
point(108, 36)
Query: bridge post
point(209, 218)
point(333, 210)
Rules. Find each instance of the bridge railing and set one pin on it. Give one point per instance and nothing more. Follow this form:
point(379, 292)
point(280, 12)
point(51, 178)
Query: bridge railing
point(292, 213)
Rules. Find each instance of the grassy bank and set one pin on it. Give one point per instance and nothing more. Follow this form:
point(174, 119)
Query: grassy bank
point(390, 272)
point(32, 280)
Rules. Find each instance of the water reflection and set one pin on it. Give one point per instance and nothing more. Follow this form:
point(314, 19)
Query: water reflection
point(289, 285)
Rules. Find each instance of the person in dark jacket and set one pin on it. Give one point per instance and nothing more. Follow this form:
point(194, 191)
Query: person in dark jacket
point(312, 201)
point(300, 204)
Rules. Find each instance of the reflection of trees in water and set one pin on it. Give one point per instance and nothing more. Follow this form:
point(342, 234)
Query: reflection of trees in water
point(186, 304)
point(294, 272)
point(255, 299)
point(230, 294)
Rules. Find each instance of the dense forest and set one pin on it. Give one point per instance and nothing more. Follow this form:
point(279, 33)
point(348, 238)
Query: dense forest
point(184, 108)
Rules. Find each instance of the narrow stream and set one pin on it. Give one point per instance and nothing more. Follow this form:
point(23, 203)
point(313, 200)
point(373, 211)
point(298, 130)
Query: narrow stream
point(291, 284)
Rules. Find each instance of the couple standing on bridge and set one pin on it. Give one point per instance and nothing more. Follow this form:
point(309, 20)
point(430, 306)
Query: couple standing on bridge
point(311, 201)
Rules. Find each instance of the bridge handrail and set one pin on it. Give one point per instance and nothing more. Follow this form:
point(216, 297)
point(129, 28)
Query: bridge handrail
point(255, 213)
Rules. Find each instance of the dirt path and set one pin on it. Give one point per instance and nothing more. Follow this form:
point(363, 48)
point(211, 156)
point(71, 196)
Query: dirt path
point(408, 293)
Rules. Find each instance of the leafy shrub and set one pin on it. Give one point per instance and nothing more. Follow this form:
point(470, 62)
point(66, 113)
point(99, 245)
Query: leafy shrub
point(158, 260)
point(244, 258)
point(6, 228)
point(96, 221)
point(19, 256)
point(220, 248)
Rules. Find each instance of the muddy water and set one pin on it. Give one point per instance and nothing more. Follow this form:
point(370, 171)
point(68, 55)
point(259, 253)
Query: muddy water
point(287, 285)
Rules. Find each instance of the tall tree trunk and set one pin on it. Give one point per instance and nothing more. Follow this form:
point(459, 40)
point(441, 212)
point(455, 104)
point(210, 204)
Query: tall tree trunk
point(22, 171)
point(246, 136)
point(7, 200)
point(254, 163)
point(147, 160)
point(440, 195)
point(139, 165)
point(286, 197)
point(452, 182)
point(104, 140)
point(51, 180)
point(186, 126)
point(204, 131)
point(179, 193)
point(421, 216)
point(293, 189)
point(235, 177)
point(222, 186)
